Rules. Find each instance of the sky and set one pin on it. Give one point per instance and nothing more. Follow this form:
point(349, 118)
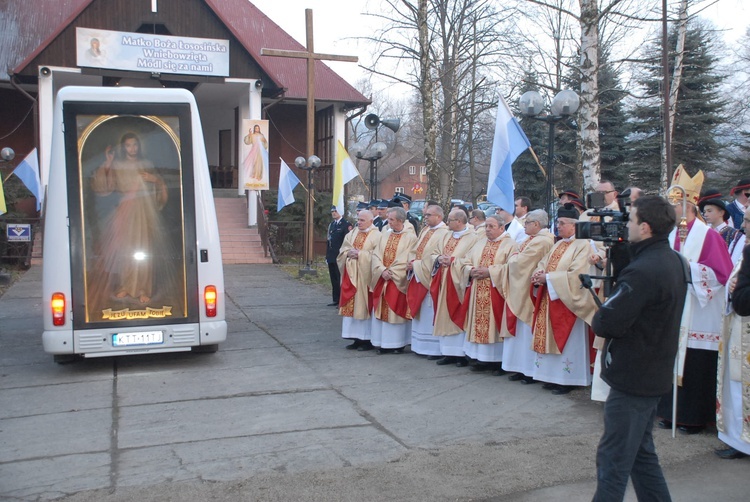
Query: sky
point(336, 24)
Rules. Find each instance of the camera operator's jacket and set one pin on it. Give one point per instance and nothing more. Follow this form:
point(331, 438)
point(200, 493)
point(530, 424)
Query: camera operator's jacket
point(641, 320)
point(554, 318)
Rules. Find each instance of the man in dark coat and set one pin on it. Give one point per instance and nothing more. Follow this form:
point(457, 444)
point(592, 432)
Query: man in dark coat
point(405, 201)
point(640, 322)
point(380, 220)
point(337, 230)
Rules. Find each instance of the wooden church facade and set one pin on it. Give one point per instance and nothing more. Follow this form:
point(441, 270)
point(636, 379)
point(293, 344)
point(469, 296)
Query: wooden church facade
point(39, 49)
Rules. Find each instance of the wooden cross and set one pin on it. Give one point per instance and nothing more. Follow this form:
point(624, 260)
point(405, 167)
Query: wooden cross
point(311, 56)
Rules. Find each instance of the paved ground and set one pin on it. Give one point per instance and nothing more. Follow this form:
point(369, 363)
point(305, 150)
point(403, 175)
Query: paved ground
point(283, 413)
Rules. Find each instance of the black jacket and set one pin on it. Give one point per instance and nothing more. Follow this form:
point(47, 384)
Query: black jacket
point(641, 320)
point(336, 234)
point(741, 293)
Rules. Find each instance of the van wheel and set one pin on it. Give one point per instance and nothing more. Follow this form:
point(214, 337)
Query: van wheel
point(206, 349)
point(64, 358)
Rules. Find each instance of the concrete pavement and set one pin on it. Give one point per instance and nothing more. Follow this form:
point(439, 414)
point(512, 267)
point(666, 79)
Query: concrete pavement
point(282, 412)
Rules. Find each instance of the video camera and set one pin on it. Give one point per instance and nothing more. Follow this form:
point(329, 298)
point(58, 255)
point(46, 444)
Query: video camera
point(612, 226)
point(612, 231)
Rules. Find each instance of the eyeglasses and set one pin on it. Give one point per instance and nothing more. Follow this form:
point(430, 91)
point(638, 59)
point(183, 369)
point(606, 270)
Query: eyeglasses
point(747, 194)
point(605, 191)
point(529, 222)
point(452, 219)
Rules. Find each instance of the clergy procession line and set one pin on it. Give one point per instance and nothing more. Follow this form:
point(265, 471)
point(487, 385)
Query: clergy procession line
point(502, 294)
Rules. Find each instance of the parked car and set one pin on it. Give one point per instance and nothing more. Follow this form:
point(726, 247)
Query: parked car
point(488, 209)
point(416, 208)
point(459, 202)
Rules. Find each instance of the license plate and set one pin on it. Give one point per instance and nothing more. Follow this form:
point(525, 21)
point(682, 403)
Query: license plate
point(137, 338)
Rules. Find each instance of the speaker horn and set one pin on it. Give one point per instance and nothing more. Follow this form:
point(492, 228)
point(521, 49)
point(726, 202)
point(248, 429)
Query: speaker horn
point(372, 121)
point(392, 124)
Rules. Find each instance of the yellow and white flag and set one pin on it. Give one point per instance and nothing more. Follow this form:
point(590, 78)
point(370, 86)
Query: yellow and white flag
point(343, 173)
point(3, 208)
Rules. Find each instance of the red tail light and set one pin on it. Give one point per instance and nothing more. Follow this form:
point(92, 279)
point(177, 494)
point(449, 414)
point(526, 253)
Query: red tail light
point(58, 309)
point(210, 296)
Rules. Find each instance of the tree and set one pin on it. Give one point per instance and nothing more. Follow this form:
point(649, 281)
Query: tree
point(447, 48)
point(699, 109)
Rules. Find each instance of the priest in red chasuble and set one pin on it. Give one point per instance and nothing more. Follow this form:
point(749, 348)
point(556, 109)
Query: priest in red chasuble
point(419, 270)
point(391, 322)
point(563, 311)
point(482, 270)
point(447, 290)
point(355, 263)
point(518, 354)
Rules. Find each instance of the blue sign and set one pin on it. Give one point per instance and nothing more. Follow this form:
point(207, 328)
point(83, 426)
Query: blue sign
point(19, 232)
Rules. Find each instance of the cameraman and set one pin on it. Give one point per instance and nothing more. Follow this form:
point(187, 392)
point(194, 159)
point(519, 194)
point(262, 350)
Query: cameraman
point(640, 322)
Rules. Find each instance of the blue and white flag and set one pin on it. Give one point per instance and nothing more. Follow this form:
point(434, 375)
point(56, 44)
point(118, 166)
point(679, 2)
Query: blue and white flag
point(28, 172)
point(510, 142)
point(287, 181)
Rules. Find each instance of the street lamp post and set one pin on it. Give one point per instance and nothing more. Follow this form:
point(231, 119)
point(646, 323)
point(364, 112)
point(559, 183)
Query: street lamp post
point(371, 154)
point(308, 165)
point(564, 104)
point(377, 150)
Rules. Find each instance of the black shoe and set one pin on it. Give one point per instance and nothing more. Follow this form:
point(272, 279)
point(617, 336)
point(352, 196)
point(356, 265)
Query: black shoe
point(445, 361)
point(355, 345)
point(664, 424)
point(691, 429)
point(462, 363)
point(480, 367)
point(399, 350)
point(729, 453)
point(434, 358)
point(333, 304)
point(365, 345)
point(548, 386)
point(527, 380)
point(516, 377)
point(562, 390)
point(382, 351)
point(498, 372)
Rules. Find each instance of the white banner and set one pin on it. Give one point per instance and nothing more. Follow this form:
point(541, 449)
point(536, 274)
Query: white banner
point(152, 53)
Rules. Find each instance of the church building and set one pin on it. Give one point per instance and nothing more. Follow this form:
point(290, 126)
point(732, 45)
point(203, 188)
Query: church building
point(210, 47)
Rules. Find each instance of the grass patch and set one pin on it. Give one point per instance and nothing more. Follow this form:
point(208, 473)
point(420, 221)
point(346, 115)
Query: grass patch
point(321, 279)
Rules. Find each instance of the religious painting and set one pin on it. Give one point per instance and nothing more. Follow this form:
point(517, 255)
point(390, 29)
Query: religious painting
point(254, 154)
point(131, 218)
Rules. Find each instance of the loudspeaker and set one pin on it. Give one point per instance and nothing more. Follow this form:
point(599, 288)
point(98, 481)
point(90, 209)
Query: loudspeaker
point(392, 124)
point(372, 121)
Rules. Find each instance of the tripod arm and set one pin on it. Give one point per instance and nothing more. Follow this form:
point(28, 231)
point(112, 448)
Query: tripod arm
point(588, 284)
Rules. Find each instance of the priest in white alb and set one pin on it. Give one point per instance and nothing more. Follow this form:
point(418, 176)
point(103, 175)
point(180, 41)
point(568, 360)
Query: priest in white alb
point(355, 263)
point(391, 322)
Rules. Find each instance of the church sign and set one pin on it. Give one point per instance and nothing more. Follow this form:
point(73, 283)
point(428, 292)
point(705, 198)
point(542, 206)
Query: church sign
point(152, 53)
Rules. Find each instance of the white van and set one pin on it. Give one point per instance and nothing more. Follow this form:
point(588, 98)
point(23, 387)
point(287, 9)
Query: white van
point(131, 261)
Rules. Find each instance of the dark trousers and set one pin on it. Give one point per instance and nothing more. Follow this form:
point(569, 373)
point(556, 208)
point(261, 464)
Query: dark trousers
point(627, 450)
point(333, 271)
